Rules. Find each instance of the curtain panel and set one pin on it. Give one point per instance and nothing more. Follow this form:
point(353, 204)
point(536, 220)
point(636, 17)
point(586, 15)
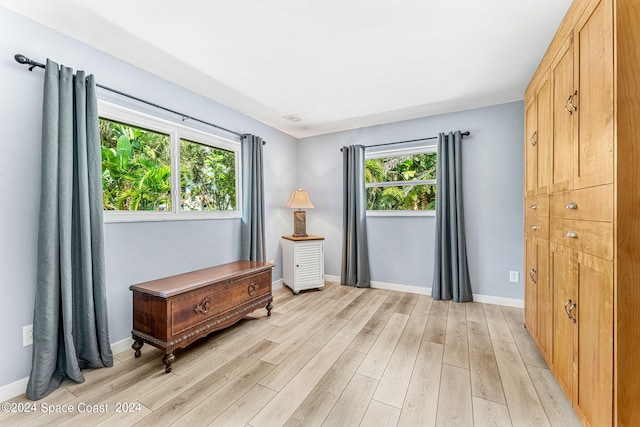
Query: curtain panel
point(355, 252)
point(451, 272)
point(70, 327)
point(253, 245)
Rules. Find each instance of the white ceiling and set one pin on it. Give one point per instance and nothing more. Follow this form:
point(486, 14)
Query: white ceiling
point(338, 64)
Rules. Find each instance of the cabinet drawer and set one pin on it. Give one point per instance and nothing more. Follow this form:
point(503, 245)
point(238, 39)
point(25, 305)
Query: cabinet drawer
point(196, 308)
point(591, 204)
point(595, 238)
point(537, 226)
point(536, 206)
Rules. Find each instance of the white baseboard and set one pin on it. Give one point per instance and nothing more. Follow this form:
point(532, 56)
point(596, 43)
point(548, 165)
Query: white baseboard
point(487, 299)
point(14, 389)
point(277, 284)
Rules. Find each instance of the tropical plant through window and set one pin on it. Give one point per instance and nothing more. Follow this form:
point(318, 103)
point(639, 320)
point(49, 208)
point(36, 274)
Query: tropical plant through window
point(136, 172)
point(207, 177)
point(136, 168)
point(401, 182)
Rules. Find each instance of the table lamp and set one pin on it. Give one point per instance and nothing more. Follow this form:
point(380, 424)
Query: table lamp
point(299, 199)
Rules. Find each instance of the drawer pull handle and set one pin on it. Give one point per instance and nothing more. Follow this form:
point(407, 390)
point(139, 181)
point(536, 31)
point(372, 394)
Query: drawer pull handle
point(204, 306)
point(534, 138)
point(533, 227)
point(252, 289)
point(572, 234)
point(533, 207)
point(571, 205)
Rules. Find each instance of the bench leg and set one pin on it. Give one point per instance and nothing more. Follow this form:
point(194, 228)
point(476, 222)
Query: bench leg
point(168, 360)
point(137, 345)
point(269, 307)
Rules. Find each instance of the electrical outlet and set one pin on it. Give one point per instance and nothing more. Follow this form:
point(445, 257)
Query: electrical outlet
point(27, 335)
point(514, 277)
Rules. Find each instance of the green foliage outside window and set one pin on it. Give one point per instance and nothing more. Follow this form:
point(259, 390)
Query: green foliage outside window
point(136, 172)
point(136, 168)
point(207, 177)
point(382, 173)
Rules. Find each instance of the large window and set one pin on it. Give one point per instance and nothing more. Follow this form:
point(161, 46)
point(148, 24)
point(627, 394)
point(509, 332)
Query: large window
point(401, 182)
point(153, 169)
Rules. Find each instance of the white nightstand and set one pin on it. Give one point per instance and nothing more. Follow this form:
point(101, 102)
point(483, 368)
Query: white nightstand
point(303, 262)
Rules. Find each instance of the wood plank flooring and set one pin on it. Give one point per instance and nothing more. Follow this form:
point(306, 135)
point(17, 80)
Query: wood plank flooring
point(336, 357)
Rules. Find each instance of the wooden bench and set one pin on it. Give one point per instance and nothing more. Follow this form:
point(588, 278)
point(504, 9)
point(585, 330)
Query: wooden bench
point(173, 312)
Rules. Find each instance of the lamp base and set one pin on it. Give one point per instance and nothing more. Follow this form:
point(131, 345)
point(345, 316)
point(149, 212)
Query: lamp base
point(299, 224)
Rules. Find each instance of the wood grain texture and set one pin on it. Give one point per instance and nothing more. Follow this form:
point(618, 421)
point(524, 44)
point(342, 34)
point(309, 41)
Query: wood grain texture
point(454, 401)
point(352, 405)
point(555, 403)
point(375, 363)
point(627, 238)
point(437, 322)
point(523, 402)
point(485, 376)
point(295, 392)
point(395, 380)
point(380, 414)
point(456, 345)
point(318, 383)
point(316, 407)
point(498, 328)
point(490, 414)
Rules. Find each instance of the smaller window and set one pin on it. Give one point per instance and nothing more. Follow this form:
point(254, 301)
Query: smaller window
point(207, 177)
point(401, 181)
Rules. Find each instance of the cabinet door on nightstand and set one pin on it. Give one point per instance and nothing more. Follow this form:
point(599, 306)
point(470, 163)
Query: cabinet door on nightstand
point(309, 264)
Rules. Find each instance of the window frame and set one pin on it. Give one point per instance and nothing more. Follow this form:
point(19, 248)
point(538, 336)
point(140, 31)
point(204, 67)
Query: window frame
point(395, 152)
point(176, 132)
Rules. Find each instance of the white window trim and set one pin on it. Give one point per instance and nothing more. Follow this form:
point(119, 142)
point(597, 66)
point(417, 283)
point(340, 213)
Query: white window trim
point(400, 152)
point(176, 132)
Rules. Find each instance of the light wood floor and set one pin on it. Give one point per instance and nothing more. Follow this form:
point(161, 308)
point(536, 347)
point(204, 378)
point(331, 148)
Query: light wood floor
point(339, 357)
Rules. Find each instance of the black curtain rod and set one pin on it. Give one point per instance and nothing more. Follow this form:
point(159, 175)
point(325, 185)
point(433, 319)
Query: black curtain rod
point(465, 133)
point(33, 64)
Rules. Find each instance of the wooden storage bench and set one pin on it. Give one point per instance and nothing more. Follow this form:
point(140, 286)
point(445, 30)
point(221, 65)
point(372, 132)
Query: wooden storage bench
point(173, 312)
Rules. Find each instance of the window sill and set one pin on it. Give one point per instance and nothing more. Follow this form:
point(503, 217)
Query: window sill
point(400, 213)
point(117, 217)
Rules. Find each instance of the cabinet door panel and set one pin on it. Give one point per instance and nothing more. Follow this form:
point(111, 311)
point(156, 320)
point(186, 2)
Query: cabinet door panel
point(563, 120)
point(593, 154)
point(530, 288)
point(595, 339)
point(545, 301)
point(563, 277)
point(544, 101)
point(530, 149)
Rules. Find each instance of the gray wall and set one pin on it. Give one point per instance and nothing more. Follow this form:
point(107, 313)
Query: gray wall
point(400, 248)
point(134, 251)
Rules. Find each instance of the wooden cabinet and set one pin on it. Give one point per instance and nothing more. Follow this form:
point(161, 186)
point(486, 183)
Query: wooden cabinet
point(303, 262)
point(563, 119)
point(173, 312)
point(593, 99)
point(591, 334)
point(539, 135)
point(538, 297)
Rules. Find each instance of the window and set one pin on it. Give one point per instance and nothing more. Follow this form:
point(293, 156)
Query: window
point(401, 182)
point(153, 169)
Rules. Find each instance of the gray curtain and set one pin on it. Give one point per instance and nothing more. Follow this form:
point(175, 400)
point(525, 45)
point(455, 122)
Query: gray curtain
point(451, 273)
point(70, 330)
point(252, 247)
point(355, 253)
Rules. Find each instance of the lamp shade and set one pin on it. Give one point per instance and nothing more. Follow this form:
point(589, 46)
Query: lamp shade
point(299, 200)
